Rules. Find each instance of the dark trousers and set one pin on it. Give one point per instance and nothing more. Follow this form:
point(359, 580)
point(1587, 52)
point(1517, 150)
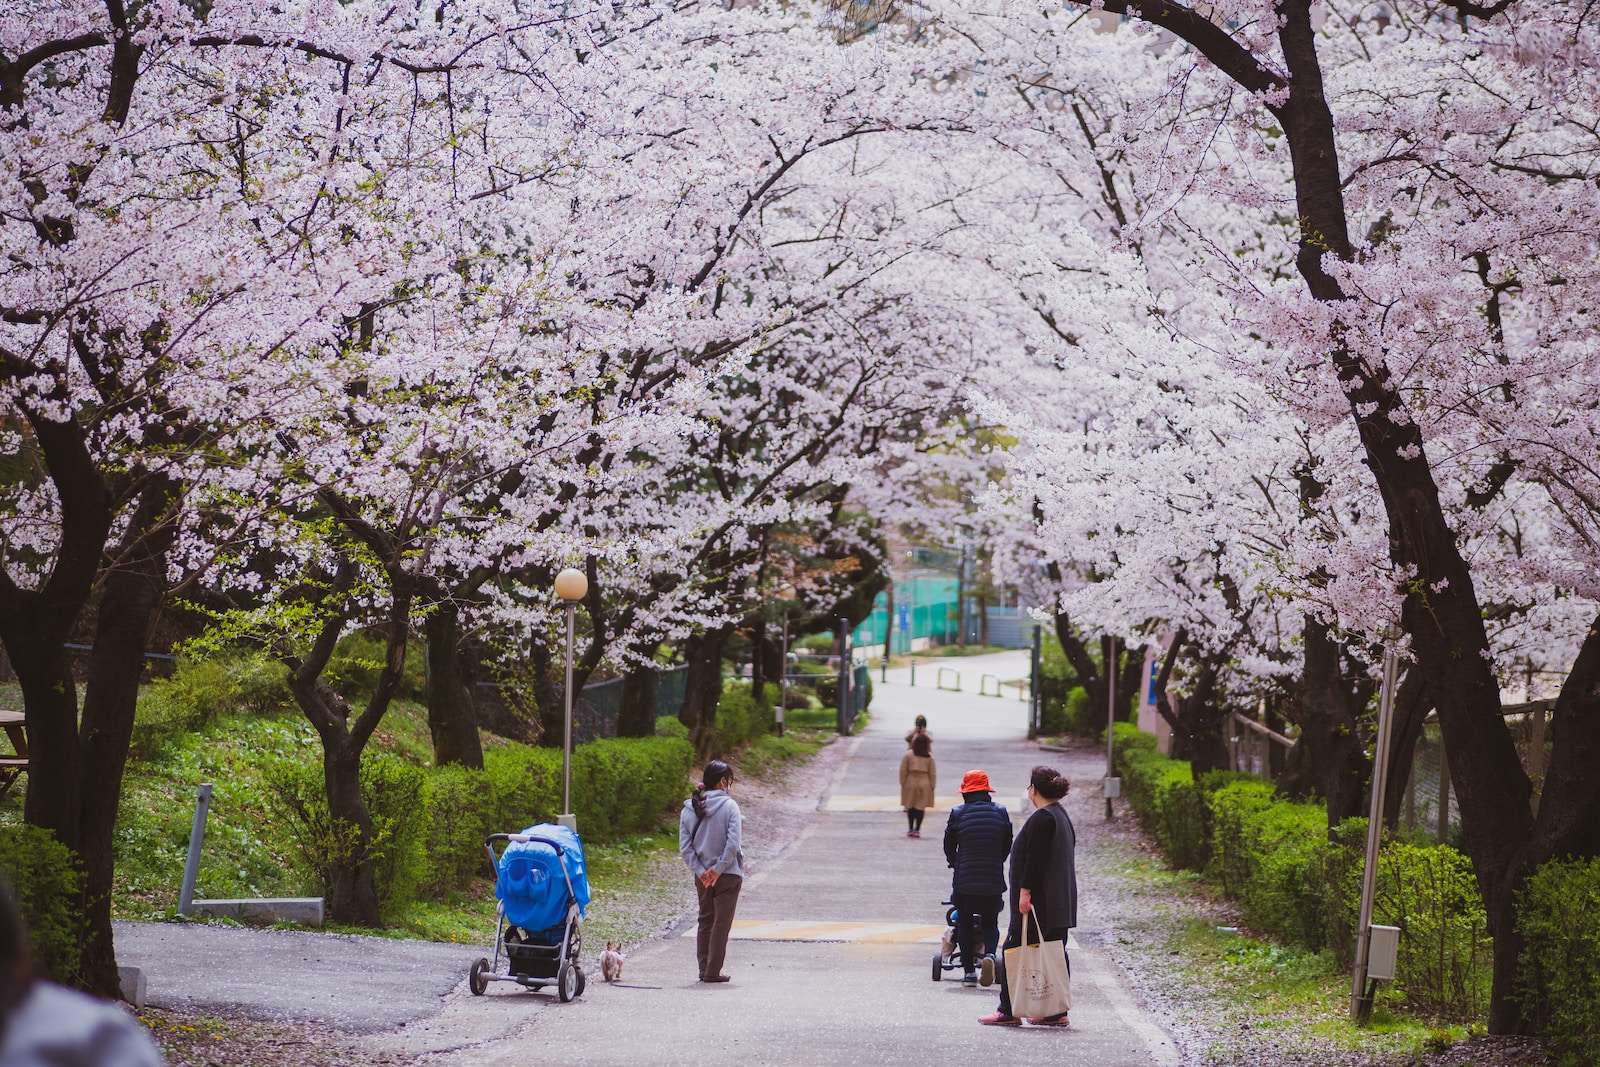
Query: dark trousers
point(913, 818)
point(1014, 940)
point(717, 905)
point(979, 928)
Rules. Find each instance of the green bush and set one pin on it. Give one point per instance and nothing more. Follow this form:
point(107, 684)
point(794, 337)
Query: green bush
point(202, 691)
point(671, 726)
point(795, 698)
point(1559, 975)
point(619, 785)
point(824, 643)
point(358, 660)
point(1431, 894)
point(826, 687)
point(1056, 680)
point(45, 877)
point(394, 794)
point(741, 718)
point(1165, 796)
point(1268, 854)
point(1081, 718)
point(460, 811)
point(622, 785)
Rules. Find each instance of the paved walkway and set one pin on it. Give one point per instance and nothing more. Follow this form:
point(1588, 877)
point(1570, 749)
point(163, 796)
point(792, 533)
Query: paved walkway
point(832, 958)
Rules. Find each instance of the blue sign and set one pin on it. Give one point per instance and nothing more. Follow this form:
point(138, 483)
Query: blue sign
point(903, 616)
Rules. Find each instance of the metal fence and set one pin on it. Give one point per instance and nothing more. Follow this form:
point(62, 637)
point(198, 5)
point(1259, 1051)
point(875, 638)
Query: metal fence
point(599, 705)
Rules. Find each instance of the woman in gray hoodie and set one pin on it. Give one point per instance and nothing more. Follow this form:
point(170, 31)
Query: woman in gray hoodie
point(708, 841)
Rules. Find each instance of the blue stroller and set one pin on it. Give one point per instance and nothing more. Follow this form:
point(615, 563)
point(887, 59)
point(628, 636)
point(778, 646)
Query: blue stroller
point(543, 888)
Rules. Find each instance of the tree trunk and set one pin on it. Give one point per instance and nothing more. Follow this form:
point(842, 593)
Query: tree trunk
point(1411, 707)
point(703, 686)
point(1330, 758)
point(353, 896)
point(758, 663)
point(452, 720)
point(1083, 664)
point(640, 689)
point(133, 595)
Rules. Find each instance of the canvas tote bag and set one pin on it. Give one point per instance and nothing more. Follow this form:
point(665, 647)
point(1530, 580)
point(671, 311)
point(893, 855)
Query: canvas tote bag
point(1037, 975)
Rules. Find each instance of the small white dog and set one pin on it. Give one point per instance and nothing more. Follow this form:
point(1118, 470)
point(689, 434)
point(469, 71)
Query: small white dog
point(611, 961)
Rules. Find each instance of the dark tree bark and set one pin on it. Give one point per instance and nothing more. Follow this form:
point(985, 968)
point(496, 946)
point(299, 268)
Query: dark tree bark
point(452, 717)
point(1330, 758)
point(353, 894)
point(703, 686)
point(1197, 719)
point(640, 688)
point(1411, 706)
point(132, 597)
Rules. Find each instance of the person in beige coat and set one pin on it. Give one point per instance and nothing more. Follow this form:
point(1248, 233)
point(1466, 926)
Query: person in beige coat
point(918, 776)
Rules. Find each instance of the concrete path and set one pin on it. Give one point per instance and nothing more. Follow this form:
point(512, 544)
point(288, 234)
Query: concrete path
point(356, 984)
point(831, 962)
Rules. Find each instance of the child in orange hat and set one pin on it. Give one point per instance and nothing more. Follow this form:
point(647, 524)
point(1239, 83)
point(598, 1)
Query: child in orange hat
point(977, 840)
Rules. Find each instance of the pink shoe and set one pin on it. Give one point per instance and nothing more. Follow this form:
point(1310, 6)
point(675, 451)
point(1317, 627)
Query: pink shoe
point(996, 1018)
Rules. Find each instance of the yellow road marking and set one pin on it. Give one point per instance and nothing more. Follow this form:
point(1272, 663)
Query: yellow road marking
point(856, 933)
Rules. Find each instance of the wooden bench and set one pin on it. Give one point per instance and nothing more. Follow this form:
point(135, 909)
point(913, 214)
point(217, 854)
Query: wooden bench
point(13, 767)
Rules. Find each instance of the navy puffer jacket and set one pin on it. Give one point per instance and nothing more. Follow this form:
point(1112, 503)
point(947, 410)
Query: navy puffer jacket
point(977, 839)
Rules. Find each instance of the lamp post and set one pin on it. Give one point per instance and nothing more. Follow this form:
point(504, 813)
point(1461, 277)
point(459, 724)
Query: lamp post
point(571, 586)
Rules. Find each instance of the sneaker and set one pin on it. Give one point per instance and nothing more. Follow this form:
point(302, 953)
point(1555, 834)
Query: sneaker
point(996, 1018)
point(916, 833)
point(713, 978)
point(986, 972)
point(970, 978)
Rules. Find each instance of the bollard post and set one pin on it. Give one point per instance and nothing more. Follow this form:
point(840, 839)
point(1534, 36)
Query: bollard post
point(197, 836)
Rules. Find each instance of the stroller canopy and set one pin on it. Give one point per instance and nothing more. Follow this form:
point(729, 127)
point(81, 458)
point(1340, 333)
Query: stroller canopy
point(530, 884)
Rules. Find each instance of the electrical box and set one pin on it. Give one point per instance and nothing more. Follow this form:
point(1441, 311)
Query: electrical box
point(1383, 946)
point(1113, 788)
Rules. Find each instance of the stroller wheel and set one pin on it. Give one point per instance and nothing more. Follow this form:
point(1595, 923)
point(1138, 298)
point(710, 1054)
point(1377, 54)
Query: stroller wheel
point(583, 982)
point(938, 966)
point(475, 977)
point(567, 983)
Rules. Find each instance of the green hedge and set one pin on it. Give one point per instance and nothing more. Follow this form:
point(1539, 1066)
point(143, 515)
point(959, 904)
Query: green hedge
point(45, 877)
point(1559, 916)
point(429, 824)
point(1165, 796)
point(740, 718)
point(1293, 882)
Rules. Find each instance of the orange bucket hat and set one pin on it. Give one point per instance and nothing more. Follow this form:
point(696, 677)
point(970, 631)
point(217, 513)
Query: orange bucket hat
point(975, 782)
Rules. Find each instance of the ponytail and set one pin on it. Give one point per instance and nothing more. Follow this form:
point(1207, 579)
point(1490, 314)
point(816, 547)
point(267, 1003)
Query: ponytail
point(716, 773)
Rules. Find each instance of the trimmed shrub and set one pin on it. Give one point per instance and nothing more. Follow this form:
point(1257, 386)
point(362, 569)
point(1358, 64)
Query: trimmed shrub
point(1559, 974)
point(1446, 955)
point(741, 718)
point(460, 811)
point(1081, 718)
point(45, 877)
point(622, 785)
point(1165, 796)
point(672, 726)
point(1267, 854)
point(524, 786)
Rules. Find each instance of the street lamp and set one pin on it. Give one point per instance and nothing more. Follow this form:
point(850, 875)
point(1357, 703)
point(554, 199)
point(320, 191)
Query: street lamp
point(571, 586)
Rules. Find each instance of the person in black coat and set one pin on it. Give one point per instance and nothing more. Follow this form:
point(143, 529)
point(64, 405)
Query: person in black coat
point(1044, 880)
point(977, 838)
